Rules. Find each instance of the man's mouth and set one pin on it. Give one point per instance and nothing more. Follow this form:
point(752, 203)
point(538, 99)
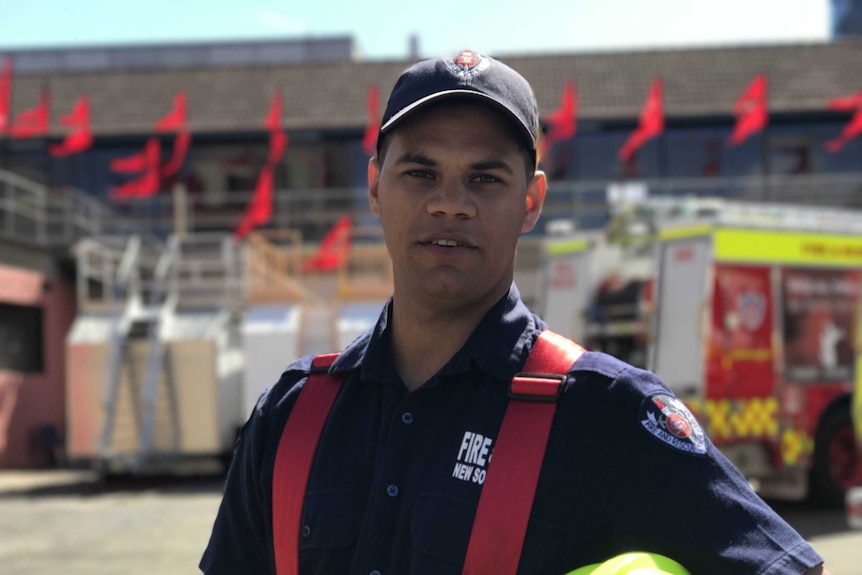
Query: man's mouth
point(446, 243)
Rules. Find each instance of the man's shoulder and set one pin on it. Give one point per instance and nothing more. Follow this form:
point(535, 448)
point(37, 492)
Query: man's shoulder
point(599, 371)
point(288, 385)
point(600, 364)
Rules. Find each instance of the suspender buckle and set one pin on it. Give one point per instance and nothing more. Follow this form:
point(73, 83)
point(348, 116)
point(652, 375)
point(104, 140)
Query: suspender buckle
point(322, 363)
point(537, 387)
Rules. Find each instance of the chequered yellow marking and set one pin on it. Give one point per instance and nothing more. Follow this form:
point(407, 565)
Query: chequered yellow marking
point(795, 446)
point(746, 419)
point(718, 419)
point(742, 418)
point(756, 418)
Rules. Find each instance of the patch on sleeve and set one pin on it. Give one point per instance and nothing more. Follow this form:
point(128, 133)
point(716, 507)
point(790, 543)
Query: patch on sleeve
point(669, 420)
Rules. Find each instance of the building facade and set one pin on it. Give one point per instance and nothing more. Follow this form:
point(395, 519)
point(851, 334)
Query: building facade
point(797, 155)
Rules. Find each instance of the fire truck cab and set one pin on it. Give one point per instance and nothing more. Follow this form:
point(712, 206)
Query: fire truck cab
point(756, 311)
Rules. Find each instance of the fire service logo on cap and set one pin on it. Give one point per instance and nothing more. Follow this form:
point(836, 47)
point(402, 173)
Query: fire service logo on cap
point(467, 62)
point(669, 420)
point(466, 59)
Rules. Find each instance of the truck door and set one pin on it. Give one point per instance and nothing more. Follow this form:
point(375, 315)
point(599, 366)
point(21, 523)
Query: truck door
point(676, 353)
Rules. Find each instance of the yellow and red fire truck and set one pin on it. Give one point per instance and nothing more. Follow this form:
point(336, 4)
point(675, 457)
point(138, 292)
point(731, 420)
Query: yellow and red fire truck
point(749, 313)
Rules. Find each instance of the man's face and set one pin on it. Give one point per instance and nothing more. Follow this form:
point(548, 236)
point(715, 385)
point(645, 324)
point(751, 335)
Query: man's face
point(453, 196)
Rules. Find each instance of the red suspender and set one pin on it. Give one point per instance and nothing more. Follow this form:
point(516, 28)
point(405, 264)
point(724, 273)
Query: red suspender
point(293, 460)
point(507, 495)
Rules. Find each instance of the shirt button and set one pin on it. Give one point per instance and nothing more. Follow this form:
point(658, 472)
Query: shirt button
point(407, 417)
point(392, 490)
point(306, 530)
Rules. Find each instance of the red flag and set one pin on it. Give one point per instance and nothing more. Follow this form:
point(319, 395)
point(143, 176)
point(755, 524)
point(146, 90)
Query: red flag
point(846, 103)
point(278, 138)
point(182, 141)
point(334, 250)
point(143, 187)
point(850, 131)
point(277, 146)
point(562, 122)
point(5, 94)
point(750, 111)
point(273, 117)
point(132, 164)
point(369, 139)
point(148, 161)
point(259, 210)
point(35, 121)
point(651, 121)
point(80, 138)
point(175, 120)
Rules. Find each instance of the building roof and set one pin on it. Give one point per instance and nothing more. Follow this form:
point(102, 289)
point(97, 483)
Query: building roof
point(332, 95)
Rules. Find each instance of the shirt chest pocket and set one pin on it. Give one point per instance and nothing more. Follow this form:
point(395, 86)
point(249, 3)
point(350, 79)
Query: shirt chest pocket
point(440, 530)
point(328, 534)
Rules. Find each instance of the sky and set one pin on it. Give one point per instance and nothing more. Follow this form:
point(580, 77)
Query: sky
point(382, 29)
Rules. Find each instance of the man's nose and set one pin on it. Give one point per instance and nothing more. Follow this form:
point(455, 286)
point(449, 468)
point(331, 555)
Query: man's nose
point(452, 198)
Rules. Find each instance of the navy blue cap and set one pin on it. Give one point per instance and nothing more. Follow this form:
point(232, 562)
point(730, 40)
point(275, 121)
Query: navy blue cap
point(469, 74)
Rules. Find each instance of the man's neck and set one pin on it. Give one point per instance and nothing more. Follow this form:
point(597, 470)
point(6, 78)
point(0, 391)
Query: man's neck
point(424, 338)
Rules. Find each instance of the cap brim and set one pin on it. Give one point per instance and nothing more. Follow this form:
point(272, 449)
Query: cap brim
point(452, 94)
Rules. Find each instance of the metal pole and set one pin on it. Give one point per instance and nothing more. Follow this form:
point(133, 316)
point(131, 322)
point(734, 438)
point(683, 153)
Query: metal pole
point(181, 222)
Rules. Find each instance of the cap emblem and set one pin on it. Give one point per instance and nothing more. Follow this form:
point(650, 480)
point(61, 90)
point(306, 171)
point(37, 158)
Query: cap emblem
point(467, 59)
point(467, 64)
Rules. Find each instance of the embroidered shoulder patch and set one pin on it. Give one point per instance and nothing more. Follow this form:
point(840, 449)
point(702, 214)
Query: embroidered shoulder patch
point(669, 420)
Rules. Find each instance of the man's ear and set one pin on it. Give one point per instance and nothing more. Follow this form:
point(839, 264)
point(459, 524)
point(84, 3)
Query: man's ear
point(373, 185)
point(535, 198)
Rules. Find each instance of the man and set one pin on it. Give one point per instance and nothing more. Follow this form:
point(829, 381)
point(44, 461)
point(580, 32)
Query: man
point(402, 459)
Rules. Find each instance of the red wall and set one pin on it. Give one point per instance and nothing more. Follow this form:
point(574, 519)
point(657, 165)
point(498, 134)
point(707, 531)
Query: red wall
point(28, 401)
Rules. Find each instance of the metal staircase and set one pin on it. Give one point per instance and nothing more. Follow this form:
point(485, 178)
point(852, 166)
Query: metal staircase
point(166, 319)
point(125, 288)
point(163, 300)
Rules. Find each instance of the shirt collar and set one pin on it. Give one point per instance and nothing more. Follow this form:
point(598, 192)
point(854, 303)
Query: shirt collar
point(498, 346)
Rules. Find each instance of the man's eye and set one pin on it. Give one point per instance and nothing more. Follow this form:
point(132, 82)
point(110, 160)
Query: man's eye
point(485, 179)
point(419, 174)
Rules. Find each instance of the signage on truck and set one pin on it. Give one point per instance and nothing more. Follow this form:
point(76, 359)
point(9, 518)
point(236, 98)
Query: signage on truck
point(818, 324)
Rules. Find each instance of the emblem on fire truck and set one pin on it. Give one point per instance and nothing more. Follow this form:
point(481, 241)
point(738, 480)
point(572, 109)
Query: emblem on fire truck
point(667, 419)
point(752, 310)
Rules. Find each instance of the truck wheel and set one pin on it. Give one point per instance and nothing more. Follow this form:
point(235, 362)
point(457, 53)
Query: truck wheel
point(835, 458)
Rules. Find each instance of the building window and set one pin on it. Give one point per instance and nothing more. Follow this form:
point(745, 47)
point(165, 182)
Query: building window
point(789, 156)
point(21, 345)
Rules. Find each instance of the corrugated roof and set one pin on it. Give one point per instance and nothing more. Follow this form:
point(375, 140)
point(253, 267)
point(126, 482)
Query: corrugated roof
point(610, 85)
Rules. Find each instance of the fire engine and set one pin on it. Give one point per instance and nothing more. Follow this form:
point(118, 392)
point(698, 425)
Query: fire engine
point(749, 313)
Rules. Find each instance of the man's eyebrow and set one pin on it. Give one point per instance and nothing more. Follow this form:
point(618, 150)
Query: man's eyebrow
point(423, 160)
point(492, 165)
point(420, 159)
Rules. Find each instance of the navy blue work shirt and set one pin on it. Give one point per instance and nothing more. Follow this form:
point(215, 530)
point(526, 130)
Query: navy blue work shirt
point(397, 476)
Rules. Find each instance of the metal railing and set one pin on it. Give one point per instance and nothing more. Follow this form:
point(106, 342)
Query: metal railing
point(587, 203)
point(33, 214)
point(206, 271)
point(112, 269)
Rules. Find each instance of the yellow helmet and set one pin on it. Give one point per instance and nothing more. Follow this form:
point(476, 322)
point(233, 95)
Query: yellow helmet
point(634, 563)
